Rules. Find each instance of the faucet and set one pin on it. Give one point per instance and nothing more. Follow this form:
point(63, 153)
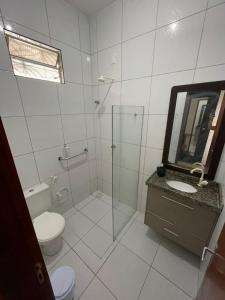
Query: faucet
point(200, 169)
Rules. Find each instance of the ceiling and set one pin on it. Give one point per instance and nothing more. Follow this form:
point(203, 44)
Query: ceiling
point(89, 7)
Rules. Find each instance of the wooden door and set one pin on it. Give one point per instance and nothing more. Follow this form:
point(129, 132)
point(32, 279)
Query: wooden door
point(213, 284)
point(23, 275)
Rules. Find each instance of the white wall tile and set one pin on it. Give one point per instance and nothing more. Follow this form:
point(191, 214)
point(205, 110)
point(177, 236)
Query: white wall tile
point(5, 63)
point(30, 13)
point(71, 98)
point(177, 45)
point(89, 99)
point(113, 97)
point(71, 62)
point(173, 10)
point(212, 50)
point(107, 171)
point(138, 17)
point(214, 73)
point(93, 33)
point(45, 131)
point(90, 125)
point(63, 22)
point(91, 149)
point(215, 2)
point(109, 25)
point(74, 128)
point(136, 91)
point(79, 176)
point(137, 56)
point(156, 131)
point(109, 61)
point(10, 104)
point(106, 150)
point(92, 169)
point(84, 33)
point(94, 69)
point(153, 158)
point(86, 65)
point(130, 128)
point(161, 89)
point(17, 134)
point(48, 163)
point(39, 97)
point(27, 32)
point(27, 170)
point(106, 126)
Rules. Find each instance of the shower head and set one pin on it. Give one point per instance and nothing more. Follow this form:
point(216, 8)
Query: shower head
point(103, 79)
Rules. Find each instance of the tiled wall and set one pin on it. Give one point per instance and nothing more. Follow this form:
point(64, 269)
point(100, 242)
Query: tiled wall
point(148, 46)
point(39, 116)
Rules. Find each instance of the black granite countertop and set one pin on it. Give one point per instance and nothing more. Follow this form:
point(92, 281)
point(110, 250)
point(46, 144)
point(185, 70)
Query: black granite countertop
point(209, 195)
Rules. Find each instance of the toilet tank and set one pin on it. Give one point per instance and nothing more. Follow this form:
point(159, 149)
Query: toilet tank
point(38, 199)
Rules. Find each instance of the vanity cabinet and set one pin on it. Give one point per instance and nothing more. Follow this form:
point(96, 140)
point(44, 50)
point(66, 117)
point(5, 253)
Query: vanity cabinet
point(180, 218)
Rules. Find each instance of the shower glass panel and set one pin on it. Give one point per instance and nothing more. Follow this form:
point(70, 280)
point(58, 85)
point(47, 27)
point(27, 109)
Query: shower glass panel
point(127, 123)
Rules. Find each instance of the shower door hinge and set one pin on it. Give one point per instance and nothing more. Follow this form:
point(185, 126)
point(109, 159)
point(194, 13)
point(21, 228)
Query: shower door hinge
point(113, 146)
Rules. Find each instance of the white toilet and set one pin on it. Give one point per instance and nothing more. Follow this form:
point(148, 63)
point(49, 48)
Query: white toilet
point(49, 226)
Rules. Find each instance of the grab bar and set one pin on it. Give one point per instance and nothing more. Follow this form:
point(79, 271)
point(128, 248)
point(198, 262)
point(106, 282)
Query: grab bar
point(60, 158)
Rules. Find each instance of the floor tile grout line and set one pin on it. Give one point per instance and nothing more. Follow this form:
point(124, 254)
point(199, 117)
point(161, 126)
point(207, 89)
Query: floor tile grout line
point(104, 259)
point(150, 267)
point(58, 260)
point(94, 251)
point(141, 258)
point(168, 279)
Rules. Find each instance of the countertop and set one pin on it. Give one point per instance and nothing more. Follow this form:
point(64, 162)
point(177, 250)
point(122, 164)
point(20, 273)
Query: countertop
point(209, 195)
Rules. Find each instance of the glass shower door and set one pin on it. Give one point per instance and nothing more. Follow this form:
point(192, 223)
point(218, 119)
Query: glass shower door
point(127, 123)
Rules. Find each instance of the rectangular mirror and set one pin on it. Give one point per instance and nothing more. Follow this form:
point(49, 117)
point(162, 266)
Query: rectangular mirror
point(195, 127)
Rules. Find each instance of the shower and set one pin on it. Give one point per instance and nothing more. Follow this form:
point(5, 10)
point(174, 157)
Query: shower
point(103, 79)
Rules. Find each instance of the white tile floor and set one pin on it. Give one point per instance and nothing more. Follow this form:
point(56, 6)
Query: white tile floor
point(139, 265)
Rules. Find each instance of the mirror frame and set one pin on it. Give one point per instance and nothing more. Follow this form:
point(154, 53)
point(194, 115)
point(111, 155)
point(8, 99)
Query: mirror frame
point(220, 135)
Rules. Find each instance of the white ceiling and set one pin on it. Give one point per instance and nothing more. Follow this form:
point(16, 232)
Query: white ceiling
point(90, 6)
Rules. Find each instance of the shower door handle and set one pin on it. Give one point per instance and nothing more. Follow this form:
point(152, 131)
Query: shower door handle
point(113, 146)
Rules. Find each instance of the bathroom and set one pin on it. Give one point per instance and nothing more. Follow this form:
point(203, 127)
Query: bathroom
point(87, 94)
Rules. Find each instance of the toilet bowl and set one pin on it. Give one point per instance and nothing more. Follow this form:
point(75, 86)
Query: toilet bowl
point(48, 226)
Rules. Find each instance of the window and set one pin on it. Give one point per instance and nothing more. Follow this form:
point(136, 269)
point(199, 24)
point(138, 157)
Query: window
point(33, 59)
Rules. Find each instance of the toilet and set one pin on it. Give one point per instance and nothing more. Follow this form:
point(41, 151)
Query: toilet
point(63, 283)
point(48, 226)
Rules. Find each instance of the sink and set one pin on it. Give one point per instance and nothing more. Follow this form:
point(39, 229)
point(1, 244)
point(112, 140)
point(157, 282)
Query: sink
point(181, 186)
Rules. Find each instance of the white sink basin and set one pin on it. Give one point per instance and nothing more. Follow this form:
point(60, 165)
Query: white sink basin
point(181, 186)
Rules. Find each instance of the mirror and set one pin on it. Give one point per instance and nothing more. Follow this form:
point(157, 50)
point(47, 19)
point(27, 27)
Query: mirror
point(195, 125)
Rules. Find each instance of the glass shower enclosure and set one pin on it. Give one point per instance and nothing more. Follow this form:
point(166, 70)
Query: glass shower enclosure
point(127, 123)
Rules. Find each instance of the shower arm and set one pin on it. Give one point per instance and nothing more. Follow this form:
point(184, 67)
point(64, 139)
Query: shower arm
point(109, 88)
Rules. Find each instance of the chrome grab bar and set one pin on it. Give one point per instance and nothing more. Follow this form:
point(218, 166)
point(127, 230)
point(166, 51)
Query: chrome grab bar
point(60, 158)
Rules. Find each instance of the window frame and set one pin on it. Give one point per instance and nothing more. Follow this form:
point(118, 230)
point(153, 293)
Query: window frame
point(30, 41)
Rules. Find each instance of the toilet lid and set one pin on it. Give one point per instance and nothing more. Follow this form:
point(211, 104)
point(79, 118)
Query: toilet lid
point(62, 280)
point(48, 226)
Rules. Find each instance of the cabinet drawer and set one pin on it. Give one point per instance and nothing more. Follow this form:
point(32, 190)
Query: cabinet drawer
point(168, 230)
point(181, 212)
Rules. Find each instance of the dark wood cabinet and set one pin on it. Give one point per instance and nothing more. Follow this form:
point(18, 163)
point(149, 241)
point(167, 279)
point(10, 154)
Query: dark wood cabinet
point(180, 219)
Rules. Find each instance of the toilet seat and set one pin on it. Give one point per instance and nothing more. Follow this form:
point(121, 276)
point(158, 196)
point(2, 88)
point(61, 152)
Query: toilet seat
point(48, 226)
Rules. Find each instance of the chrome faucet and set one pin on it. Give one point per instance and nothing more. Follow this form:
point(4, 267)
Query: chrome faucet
point(200, 169)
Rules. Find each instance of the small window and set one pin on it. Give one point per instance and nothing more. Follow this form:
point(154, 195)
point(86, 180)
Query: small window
point(33, 59)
